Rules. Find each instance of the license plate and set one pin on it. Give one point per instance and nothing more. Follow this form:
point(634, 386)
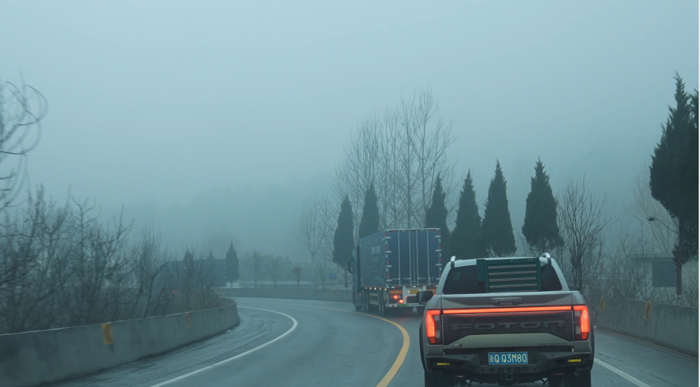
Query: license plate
point(413, 291)
point(498, 358)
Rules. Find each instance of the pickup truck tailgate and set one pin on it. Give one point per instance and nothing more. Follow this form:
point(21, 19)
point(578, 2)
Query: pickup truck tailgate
point(492, 321)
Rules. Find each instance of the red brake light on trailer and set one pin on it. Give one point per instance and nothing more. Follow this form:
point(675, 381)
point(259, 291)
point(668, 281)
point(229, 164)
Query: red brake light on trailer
point(396, 296)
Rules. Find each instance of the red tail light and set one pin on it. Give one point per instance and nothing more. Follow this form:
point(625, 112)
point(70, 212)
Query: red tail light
point(508, 310)
point(582, 321)
point(395, 296)
point(432, 326)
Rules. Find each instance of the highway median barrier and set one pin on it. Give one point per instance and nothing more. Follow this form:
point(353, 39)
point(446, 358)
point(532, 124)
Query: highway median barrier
point(674, 327)
point(49, 356)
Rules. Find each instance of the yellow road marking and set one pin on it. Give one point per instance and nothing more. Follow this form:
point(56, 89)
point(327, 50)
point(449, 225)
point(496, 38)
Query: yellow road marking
point(402, 353)
point(399, 359)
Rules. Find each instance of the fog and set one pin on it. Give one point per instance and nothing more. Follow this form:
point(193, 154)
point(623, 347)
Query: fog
point(218, 119)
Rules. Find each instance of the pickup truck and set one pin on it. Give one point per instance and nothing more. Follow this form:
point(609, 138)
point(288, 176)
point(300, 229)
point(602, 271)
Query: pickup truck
point(505, 321)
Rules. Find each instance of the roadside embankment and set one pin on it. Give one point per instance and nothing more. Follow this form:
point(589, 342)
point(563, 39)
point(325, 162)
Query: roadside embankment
point(33, 358)
point(675, 327)
point(310, 294)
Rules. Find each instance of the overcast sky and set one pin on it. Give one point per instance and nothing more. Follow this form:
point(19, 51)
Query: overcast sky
point(158, 101)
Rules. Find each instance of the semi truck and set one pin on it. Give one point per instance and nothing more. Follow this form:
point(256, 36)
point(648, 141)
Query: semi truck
point(391, 266)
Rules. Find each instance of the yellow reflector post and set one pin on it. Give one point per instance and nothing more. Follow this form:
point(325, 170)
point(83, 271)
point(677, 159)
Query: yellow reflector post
point(188, 322)
point(107, 333)
point(647, 311)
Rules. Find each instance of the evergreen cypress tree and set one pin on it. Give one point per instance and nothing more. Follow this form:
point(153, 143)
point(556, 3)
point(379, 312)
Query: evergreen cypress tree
point(232, 272)
point(497, 229)
point(674, 175)
point(540, 228)
point(436, 217)
point(343, 240)
point(369, 224)
point(464, 241)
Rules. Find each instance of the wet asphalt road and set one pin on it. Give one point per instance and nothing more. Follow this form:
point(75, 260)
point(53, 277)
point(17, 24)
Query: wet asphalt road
point(323, 343)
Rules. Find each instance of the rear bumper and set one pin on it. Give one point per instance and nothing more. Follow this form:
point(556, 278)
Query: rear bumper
point(407, 305)
point(541, 365)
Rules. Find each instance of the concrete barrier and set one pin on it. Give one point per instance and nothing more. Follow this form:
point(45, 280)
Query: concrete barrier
point(310, 294)
point(675, 327)
point(32, 358)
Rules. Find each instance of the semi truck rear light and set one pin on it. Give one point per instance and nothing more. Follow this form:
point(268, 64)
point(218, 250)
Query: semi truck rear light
point(582, 321)
point(395, 296)
point(400, 301)
point(432, 326)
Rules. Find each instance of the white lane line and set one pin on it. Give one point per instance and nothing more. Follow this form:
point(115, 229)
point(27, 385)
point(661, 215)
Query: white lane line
point(187, 375)
point(622, 373)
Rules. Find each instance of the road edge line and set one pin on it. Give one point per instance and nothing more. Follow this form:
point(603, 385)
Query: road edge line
point(621, 373)
point(187, 375)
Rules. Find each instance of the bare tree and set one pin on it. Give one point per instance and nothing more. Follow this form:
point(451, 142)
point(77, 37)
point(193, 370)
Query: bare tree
point(272, 266)
point(256, 264)
point(582, 223)
point(402, 153)
point(361, 165)
point(323, 269)
point(22, 108)
point(427, 139)
point(59, 266)
point(628, 278)
point(297, 275)
point(148, 264)
point(313, 227)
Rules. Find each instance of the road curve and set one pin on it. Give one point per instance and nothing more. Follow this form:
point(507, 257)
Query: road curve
point(327, 348)
point(332, 345)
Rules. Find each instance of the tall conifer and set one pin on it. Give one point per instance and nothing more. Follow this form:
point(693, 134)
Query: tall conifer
point(232, 272)
point(674, 174)
point(465, 239)
point(497, 229)
point(540, 228)
point(436, 217)
point(369, 224)
point(343, 240)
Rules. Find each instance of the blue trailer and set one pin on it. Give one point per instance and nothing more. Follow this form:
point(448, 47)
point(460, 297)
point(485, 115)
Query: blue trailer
point(391, 266)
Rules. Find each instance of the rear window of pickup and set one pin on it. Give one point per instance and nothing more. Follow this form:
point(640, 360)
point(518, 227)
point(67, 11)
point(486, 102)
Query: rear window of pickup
point(463, 280)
